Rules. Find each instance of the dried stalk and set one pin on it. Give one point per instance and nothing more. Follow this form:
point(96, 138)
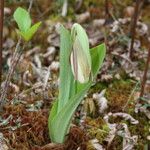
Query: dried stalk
point(107, 14)
point(30, 5)
point(131, 96)
point(15, 60)
point(64, 8)
point(78, 6)
point(106, 8)
point(133, 26)
point(1, 35)
point(145, 74)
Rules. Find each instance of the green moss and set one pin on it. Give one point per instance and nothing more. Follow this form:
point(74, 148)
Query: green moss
point(90, 146)
point(99, 134)
point(146, 14)
point(99, 86)
point(118, 93)
point(141, 65)
point(71, 14)
point(98, 122)
point(56, 18)
point(141, 129)
point(93, 3)
point(99, 129)
point(116, 143)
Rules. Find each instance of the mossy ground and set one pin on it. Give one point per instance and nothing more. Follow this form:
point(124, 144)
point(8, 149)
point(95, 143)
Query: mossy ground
point(118, 93)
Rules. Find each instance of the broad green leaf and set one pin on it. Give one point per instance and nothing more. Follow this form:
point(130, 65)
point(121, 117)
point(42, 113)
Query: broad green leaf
point(60, 123)
point(66, 77)
point(97, 54)
point(59, 126)
point(53, 110)
point(30, 32)
point(52, 114)
point(22, 17)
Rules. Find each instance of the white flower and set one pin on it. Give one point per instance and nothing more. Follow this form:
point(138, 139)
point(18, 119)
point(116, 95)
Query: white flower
point(80, 55)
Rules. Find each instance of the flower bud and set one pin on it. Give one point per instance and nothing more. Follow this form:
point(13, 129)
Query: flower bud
point(80, 55)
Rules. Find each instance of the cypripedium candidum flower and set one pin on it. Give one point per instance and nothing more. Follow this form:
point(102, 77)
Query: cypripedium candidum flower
point(80, 55)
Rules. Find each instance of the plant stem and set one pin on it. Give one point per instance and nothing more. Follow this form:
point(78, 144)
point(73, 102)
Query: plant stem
point(79, 5)
point(106, 10)
point(15, 60)
point(64, 8)
point(1, 35)
point(133, 27)
point(108, 16)
point(145, 74)
point(131, 95)
point(30, 5)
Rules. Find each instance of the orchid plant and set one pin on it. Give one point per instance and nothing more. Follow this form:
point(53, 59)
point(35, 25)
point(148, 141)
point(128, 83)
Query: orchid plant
point(79, 66)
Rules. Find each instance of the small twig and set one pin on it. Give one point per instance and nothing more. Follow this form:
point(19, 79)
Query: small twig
point(1, 35)
point(64, 8)
point(121, 3)
point(121, 56)
point(15, 60)
point(106, 7)
point(30, 5)
point(79, 4)
point(133, 91)
point(35, 86)
point(115, 19)
point(45, 12)
point(37, 7)
point(46, 79)
point(106, 11)
point(145, 74)
point(133, 26)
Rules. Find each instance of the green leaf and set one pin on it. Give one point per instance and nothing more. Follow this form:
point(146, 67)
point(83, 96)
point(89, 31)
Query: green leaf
point(30, 32)
point(98, 54)
point(53, 110)
point(52, 113)
point(22, 17)
point(60, 124)
point(66, 77)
